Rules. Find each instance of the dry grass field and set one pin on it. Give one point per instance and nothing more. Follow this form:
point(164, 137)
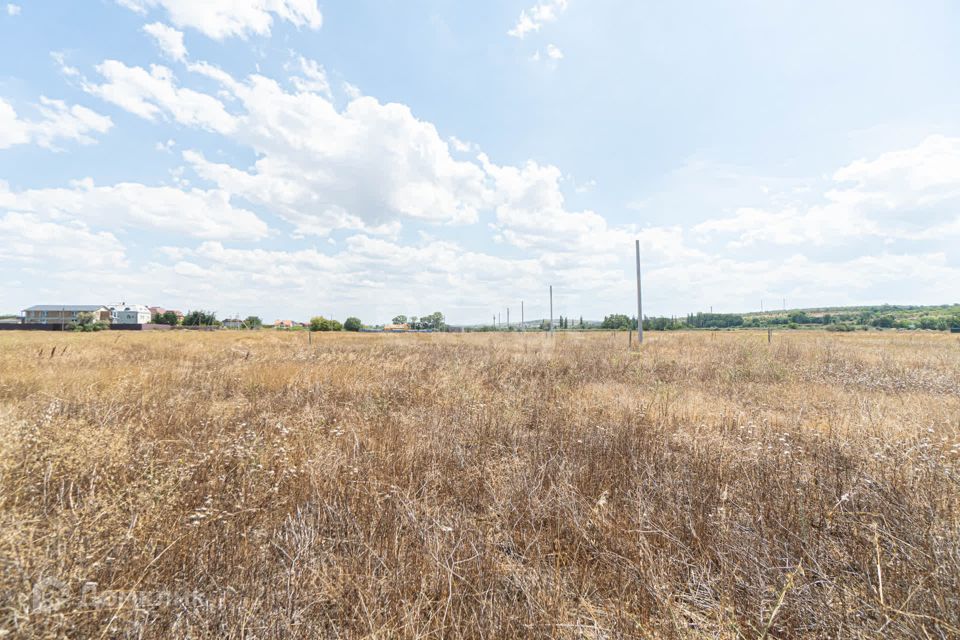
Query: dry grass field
point(233, 485)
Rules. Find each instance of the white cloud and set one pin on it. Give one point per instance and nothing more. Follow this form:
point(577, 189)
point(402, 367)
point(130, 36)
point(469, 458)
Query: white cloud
point(168, 39)
point(364, 167)
point(154, 93)
point(61, 59)
point(58, 122)
point(906, 194)
point(532, 19)
point(194, 213)
point(31, 242)
point(314, 80)
point(554, 53)
point(220, 19)
point(372, 166)
point(13, 9)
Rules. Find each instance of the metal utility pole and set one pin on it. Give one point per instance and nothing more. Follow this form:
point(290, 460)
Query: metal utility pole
point(494, 323)
point(639, 300)
point(523, 326)
point(508, 318)
point(551, 309)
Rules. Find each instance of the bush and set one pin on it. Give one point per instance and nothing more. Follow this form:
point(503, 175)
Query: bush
point(319, 323)
point(617, 321)
point(352, 324)
point(167, 317)
point(200, 319)
point(841, 327)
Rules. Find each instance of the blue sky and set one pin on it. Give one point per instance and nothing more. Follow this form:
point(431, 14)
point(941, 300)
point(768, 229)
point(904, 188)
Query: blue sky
point(287, 158)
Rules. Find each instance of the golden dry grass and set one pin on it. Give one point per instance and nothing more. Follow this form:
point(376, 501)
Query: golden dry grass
point(482, 486)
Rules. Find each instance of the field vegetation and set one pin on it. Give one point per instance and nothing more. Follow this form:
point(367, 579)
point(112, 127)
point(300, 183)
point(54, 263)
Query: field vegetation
point(227, 485)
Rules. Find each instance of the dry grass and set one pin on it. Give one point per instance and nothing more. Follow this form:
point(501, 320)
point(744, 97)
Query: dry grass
point(250, 485)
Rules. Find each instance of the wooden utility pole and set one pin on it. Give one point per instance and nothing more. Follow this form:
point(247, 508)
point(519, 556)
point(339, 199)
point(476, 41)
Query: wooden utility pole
point(639, 300)
point(523, 326)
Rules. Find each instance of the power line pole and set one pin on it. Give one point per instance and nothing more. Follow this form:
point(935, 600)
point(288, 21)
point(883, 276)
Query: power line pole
point(551, 309)
point(523, 326)
point(639, 300)
point(508, 318)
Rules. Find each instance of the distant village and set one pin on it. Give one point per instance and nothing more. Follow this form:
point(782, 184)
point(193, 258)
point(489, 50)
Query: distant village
point(138, 317)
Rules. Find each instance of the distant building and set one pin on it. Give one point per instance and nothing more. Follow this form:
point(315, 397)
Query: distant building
point(233, 323)
point(130, 314)
point(284, 324)
point(397, 328)
point(64, 314)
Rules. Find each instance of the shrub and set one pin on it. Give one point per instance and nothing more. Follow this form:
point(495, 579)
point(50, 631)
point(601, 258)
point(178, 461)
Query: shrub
point(319, 323)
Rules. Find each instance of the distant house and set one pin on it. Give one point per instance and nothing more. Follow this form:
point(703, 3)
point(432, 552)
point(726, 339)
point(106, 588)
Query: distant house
point(130, 314)
point(233, 323)
point(64, 314)
point(284, 324)
point(397, 328)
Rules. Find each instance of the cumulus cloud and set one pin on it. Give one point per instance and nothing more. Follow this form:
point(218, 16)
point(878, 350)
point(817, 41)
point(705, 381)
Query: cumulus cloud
point(29, 241)
point(168, 39)
point(13, 9)
point(372, 166)
point(194, 213)
point(532, 19)
point(154, 93)
point(220, 19)
point(314, 78)
point(57, 121)
point(907, 194)
point(365, 166)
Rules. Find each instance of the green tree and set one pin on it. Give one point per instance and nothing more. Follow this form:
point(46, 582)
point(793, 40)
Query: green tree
point(352, 324)
point(433, 322)
point(253, 322)
point(617, 321)
point(319, 323)
point(401, 319)
point(200, 319)
point(167, 317)
point(86, 321)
